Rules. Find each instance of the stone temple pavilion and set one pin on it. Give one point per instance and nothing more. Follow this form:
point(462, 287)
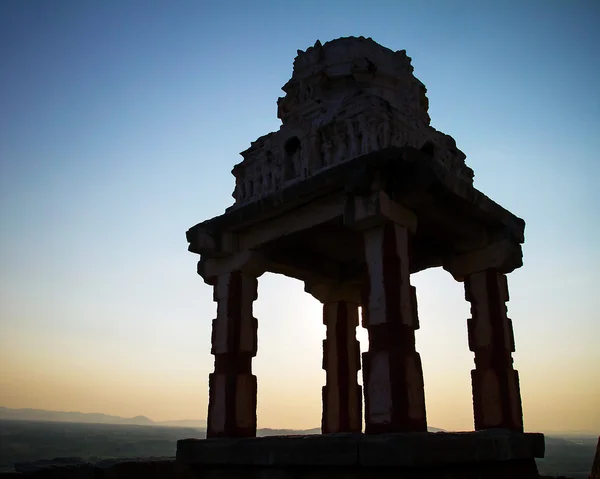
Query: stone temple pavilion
point(354, 193)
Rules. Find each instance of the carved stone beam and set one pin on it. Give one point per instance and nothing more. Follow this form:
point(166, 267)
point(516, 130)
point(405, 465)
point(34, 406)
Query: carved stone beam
point(503, 256)
point(305, 217)
point(327, 292)
point(210, 242)
point(364, 212)
point(250, 263)
point(308, 267)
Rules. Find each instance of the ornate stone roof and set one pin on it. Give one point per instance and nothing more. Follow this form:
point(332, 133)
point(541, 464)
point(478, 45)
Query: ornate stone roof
point(347, 98)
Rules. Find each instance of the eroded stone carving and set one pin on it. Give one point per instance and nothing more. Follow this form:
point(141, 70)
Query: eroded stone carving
point(346, 98)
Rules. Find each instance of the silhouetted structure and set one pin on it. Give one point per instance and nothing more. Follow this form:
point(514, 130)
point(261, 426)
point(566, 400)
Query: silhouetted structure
point(596, 466)
point(355, 192)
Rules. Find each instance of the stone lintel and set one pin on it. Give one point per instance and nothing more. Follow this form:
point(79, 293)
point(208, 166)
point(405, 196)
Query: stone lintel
point(364, 212)
point(201, 241)
point(213, 243)
point(330, 292)
point(305, 217)
point(419, 449)
point(248, 262)
point(308, 267)
point(504, 256)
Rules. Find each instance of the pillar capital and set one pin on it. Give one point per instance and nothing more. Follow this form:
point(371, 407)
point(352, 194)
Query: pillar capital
point(209, 241)
point(503, 256)
point(364, 212)
point(248, 262)
point(327, 292)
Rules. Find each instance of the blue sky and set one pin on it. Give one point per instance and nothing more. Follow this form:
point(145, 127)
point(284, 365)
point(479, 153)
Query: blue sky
point(120, 123)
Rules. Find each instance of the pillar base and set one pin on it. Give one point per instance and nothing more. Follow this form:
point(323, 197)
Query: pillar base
point(495, 453)
point(351, 421)
point(394, 392)
point(497, 399)
point(342, 396)
point(232, 405)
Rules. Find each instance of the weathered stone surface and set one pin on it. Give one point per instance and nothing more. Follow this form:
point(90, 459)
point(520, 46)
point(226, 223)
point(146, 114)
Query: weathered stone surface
point(413, 450)
point(327, 450)
point(393, 375)
point(342, 396)
point(496, 393)
point(437, 449)
point(346, 98)
point(232, 386)
point(503, 256)
point(453, 217)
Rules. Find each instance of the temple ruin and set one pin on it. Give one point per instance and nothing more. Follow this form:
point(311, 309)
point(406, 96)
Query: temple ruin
point(354, 193)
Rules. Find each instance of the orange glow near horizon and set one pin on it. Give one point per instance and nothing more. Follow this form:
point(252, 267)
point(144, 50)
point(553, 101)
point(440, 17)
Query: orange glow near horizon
point(558, 394)
point(119, 129)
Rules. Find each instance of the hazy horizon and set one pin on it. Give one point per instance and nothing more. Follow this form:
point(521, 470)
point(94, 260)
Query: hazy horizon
point(120, 123)
point(190, 420)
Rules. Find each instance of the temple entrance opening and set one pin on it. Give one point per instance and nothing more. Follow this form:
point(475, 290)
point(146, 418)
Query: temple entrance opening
point(289, 352)
point(442, 341)
point(290, 342)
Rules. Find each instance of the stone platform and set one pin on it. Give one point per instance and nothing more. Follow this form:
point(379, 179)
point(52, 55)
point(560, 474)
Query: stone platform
point(482, 454)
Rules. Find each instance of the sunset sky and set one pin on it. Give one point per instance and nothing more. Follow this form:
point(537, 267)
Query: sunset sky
point(120, 122)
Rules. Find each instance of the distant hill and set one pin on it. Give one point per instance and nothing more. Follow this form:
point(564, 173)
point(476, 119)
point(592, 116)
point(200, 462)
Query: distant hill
point(99, 418)
point(71, 416)
point(195, 423)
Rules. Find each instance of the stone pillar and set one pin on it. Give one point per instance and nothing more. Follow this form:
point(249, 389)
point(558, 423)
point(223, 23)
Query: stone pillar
point(232, 386)
point(393, 375)
point(496, 394)
point(342, 396)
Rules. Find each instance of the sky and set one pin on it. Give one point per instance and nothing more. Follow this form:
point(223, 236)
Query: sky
point(120, 122)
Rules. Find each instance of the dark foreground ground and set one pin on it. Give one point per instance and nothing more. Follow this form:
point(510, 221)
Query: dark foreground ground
point(26, 441)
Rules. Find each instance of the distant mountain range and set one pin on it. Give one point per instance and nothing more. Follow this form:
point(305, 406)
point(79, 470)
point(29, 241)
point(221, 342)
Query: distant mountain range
point(99, 418)
point(95, 418)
